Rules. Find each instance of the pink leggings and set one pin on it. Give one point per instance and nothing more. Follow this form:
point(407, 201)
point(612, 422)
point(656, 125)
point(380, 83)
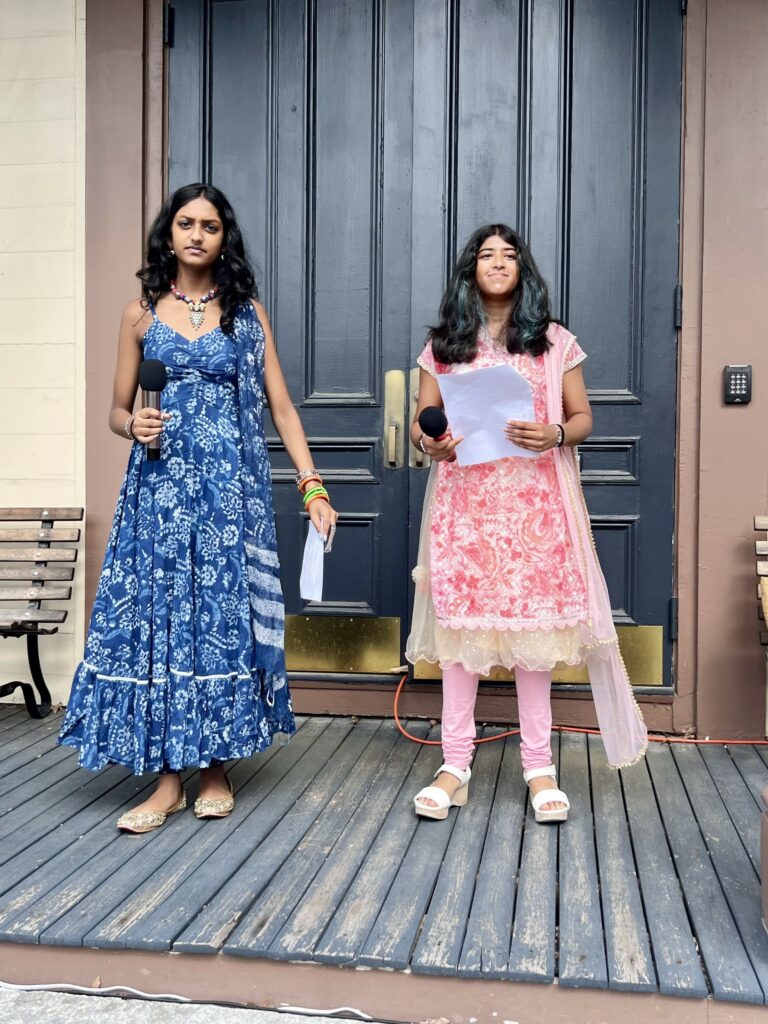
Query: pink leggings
point(534, 709)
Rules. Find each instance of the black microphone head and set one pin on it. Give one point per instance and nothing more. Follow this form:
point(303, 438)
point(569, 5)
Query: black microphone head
point(433, 421)
point(153, 375)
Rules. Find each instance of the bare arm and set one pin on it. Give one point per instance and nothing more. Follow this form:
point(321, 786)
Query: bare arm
point(287, 421)
point(147, 423)
point(578, 413)
point(429, 394)
point(540, 437)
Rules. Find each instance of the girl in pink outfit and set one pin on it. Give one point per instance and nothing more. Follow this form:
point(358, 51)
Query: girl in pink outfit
point(507, 571)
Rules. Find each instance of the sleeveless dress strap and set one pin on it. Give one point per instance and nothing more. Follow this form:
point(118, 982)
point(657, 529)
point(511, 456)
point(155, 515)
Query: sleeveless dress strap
point(152, 309)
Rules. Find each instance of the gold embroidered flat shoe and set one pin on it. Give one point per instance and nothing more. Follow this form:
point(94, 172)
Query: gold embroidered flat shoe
point(216, 808)
point(138, 822)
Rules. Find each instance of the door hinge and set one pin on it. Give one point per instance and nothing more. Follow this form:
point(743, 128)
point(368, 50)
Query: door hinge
point(169, 23)
point(678, 305)
point(683, 6)
point(673, 615)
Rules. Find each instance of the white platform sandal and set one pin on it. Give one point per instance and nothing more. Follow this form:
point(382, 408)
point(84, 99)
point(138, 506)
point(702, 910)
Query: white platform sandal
point(440, 797)
point(547, 796)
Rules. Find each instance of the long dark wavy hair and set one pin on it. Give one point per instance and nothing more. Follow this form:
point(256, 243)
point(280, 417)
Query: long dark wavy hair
point(462, 314)
point(233, 275)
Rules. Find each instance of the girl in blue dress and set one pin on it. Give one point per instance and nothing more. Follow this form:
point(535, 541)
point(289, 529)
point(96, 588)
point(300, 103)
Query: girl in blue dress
point(184, 663)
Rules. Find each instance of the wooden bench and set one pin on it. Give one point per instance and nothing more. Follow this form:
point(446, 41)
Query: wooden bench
point(41, 573)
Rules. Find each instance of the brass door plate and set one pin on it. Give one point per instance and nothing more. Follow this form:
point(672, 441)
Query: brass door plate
point(342, 643)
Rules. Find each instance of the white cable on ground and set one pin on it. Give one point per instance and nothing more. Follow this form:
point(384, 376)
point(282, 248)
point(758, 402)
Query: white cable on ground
point(64, 986)
point(171, 997)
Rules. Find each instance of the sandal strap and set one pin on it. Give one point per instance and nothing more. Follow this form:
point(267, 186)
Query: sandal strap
point(462, 774)
point(538, 773)
point(439, 796)
point(549, 796)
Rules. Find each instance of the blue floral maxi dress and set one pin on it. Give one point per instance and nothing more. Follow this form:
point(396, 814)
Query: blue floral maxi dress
point(184, 662)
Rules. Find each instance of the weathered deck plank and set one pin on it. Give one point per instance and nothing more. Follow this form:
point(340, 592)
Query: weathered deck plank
point(307, 922)
point(581, 961)
point(261, 924)
point(489, 929)
point(736, 873)
point(151, 887)
point(630, 964)
point(674, 947)
point(349, 928)
point(28, 761)
point(743, 810)
point(393, 934)
point(280, 828)
point(20, 731)
point(730, 972)
point(441, 938)
point(37, 792)
point(532, 950)
point(752, 767)
point(35, 846)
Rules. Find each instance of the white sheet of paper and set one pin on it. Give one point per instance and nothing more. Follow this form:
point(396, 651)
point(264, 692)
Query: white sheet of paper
point(478, 404)
point(311, 579)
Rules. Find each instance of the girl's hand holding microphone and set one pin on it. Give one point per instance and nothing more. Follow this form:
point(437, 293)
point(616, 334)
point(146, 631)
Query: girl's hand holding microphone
point(435, 439)
point(147, 424)
point(443, 450)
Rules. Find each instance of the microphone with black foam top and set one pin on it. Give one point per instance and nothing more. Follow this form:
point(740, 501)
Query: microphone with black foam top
point(153, 377)
point(434, 423)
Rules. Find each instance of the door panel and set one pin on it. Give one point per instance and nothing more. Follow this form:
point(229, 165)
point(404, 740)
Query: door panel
point(305, 124)
point(361, 141)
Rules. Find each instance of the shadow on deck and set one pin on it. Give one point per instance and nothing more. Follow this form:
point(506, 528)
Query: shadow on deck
point(651, 887)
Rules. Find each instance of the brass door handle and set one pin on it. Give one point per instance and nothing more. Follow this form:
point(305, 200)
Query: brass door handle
point(416, 457)
point(394, 419)
point(392, 444)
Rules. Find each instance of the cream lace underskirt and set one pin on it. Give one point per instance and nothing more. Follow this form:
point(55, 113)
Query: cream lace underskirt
point(480, 650)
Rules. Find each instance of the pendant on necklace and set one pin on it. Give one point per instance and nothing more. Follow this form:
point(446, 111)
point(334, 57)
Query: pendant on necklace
point(196, 314)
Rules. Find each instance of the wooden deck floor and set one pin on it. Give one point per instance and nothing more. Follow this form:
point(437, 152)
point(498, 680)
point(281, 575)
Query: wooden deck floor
point(651, 886)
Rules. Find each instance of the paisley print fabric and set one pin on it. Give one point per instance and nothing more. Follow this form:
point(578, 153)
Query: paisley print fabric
point(178, 670)
point(505, 584)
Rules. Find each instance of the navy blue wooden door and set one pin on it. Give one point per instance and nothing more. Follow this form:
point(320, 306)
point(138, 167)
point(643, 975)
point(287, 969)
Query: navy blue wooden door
point(361, 141)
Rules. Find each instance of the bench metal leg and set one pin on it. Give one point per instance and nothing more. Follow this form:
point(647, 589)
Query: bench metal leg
point(43, 709)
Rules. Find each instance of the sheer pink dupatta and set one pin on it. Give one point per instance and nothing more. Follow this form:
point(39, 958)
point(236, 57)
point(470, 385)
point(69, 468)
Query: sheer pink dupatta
point(622, 728)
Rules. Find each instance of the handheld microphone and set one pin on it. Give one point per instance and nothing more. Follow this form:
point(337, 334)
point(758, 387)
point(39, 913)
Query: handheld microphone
point(434, 422)
point(153, 377)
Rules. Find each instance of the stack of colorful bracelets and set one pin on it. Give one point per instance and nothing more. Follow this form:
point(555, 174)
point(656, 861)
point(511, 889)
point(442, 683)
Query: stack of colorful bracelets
point(310, 485)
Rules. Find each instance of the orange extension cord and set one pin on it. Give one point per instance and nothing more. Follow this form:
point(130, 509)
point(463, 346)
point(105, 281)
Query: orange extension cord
point(560, 728)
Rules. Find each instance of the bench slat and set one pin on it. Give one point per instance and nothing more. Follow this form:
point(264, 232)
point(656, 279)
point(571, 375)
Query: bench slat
point(761, 522)
point(9, 619)
point(25, 515)
point(762, 568)
point(39, 572)
point(38, 554)
point(39, 536)
point(54, 593)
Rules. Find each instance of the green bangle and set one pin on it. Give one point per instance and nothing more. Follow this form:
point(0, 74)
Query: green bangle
point(314, 492)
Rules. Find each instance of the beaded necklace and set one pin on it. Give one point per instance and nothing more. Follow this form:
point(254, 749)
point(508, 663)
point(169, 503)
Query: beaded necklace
point(196, 306)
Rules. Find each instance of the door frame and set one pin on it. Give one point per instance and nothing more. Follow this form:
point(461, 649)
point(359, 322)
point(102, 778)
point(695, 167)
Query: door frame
point(105, 162)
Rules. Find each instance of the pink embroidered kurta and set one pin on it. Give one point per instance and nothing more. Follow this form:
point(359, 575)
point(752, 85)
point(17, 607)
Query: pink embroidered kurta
point(505, 584)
